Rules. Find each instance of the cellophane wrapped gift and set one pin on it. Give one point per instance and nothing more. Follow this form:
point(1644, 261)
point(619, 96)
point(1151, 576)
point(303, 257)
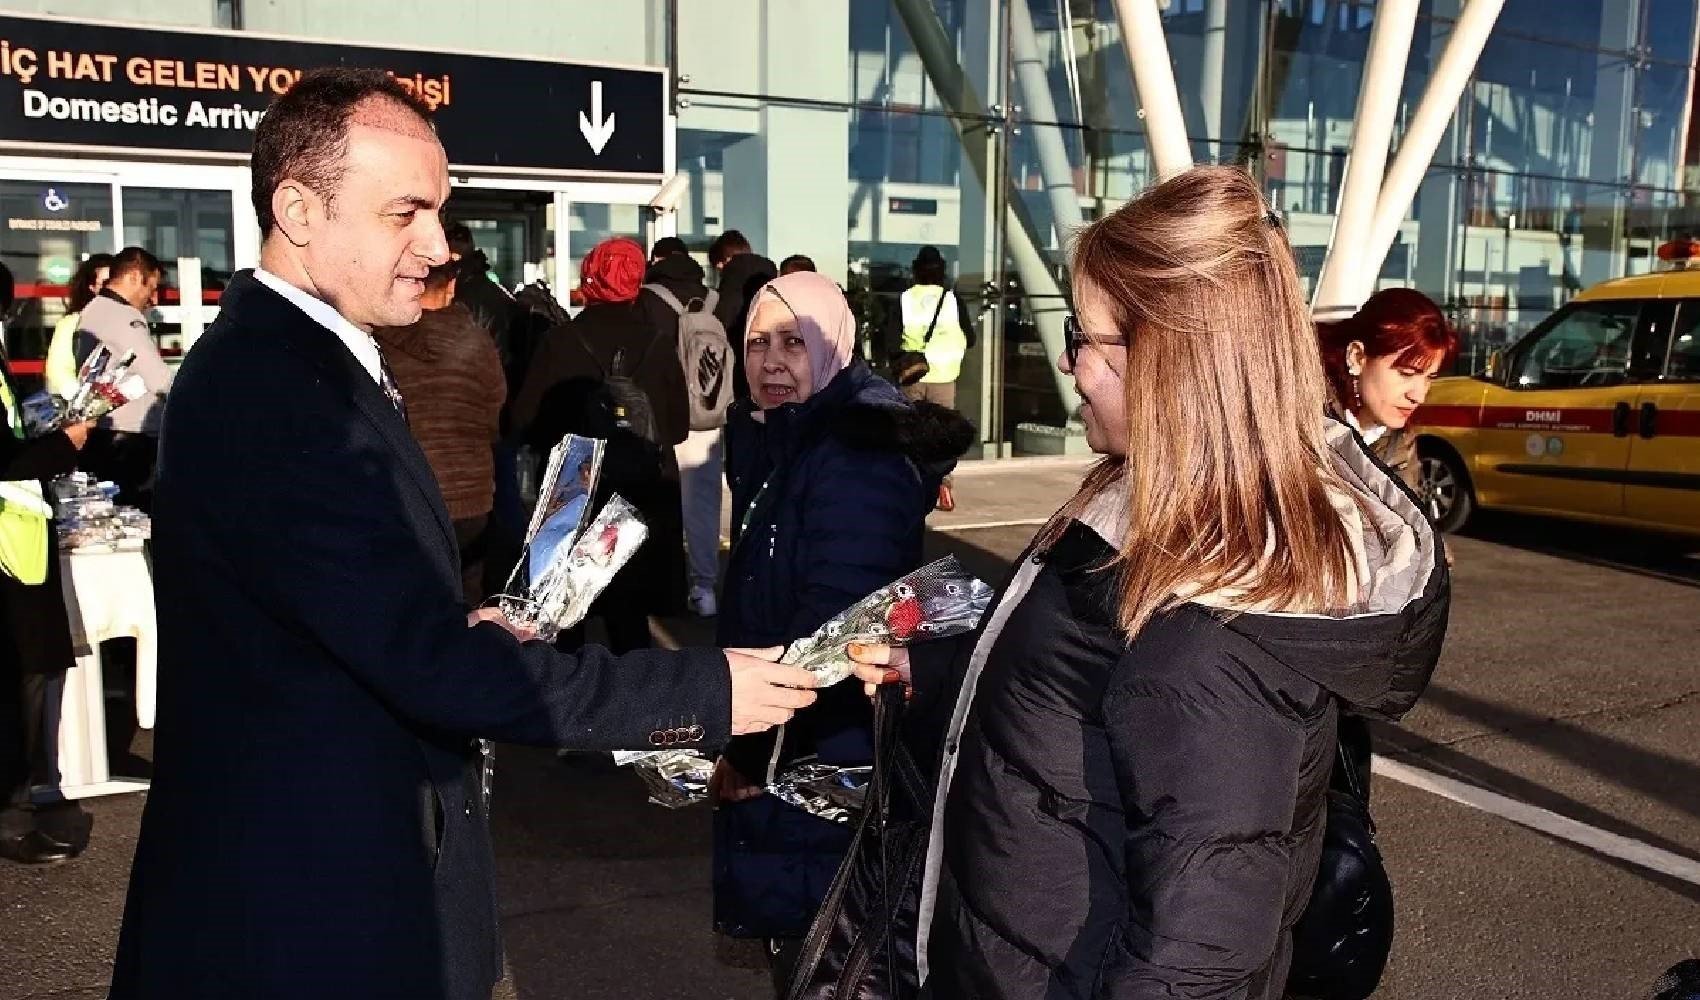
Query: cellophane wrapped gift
point(560, 596)
point(103, 385)
point(90, 519)
point(937, 601)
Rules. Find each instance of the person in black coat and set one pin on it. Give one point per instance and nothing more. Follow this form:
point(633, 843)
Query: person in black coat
point(491, 306)
point(833, 473)
point(565, 392)
point(679, 273)
point(1133, 755)
point(742, 272)
point(315, 827)
point(35, 634)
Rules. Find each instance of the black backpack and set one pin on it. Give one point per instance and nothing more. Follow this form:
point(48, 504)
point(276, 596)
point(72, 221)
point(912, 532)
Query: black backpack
point(618, 410)
point(537, 300)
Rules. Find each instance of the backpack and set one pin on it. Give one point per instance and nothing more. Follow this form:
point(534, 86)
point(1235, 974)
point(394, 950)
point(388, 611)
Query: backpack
point(539, 301)
point(705, 353)
point(619, 407)
point(618, 411)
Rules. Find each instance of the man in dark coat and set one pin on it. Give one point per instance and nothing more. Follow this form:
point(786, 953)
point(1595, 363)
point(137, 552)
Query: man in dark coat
point(315, 827)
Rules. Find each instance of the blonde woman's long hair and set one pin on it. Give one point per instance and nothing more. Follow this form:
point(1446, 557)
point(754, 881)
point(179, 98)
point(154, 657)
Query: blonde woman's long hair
point(1227, 474)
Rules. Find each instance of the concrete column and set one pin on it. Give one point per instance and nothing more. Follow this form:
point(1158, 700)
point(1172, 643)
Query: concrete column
point(1154, 79)
point(787, 187)
point(1039, 112)
point(1422, 136)
point(1366, 164)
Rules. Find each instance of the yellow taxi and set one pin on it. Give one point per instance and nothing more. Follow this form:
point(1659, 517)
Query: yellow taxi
point(1594, 415)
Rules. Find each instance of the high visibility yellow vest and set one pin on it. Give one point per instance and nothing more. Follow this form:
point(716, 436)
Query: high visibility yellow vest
point(61, 357)
point(949, 343)
point(23, 520)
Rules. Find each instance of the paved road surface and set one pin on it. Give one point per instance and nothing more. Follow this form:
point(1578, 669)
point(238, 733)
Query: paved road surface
point(1571, 682)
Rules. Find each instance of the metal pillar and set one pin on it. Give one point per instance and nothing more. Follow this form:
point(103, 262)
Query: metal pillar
point(1054, 166)
point(1154, 81)
point(1423, 135)
point(1346, 270)
point(938, 58)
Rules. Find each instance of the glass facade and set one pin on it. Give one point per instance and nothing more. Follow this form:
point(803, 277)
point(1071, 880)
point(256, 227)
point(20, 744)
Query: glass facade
point(859, 131)
point(992, 130)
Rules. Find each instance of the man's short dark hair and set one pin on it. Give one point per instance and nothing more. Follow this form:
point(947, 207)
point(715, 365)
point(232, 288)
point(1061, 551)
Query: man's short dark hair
point(461, 243)
point(304, 134)
point(727, 245)
point(133, 260)
point(668, 246)
point(796, 262)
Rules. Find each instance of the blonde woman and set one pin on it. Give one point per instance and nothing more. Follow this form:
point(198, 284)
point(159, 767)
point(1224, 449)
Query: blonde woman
point(1135, 751)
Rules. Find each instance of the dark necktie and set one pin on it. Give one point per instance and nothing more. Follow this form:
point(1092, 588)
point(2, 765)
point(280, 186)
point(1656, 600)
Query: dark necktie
point(386, 382)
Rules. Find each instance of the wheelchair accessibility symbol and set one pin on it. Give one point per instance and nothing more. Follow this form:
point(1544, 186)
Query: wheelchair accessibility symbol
point(54, 203)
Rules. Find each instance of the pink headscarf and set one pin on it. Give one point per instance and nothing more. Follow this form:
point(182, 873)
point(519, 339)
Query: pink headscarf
point(824, 320)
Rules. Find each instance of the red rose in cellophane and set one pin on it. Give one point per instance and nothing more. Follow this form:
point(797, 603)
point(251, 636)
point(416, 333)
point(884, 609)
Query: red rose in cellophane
point(938, 600)
point(904, 618)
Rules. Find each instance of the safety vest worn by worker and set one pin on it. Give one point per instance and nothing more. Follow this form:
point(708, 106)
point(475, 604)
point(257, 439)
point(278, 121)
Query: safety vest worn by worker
point(23, 511)
point(949, 342)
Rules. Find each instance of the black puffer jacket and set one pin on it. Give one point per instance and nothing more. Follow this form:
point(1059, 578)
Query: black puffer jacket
point(1145, 820)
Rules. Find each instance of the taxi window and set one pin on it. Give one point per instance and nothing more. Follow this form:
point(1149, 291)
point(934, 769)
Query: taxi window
point(1682, 363)
point(1585, 346)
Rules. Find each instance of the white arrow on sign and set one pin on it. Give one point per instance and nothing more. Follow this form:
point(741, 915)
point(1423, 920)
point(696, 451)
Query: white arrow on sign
point(596, 129)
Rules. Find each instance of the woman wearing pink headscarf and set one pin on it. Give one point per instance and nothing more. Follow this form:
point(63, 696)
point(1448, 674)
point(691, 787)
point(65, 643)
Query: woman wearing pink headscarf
point(833, 473)
point(566, 391)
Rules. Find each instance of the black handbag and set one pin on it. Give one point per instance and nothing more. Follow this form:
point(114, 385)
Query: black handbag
point(862, 943)
point(909, 367)
point(1342, 940)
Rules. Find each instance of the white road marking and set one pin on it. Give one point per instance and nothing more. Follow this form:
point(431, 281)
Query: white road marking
point(1544, 820)
point(1026, 522)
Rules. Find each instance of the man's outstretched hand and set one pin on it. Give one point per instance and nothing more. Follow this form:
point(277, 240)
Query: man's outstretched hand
point(765, 694)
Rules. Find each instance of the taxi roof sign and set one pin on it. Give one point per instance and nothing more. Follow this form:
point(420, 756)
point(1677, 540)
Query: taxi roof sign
point(1682, 252)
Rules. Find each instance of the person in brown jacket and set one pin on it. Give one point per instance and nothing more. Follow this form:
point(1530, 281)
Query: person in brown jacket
point(450, 378)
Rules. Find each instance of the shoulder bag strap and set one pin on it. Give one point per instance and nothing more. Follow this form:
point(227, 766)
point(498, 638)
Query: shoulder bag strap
point(666, 295)
point(935, 322)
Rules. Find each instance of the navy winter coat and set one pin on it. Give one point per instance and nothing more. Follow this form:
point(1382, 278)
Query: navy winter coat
point(829, 503)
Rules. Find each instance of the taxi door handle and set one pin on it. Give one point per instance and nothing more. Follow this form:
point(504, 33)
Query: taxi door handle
point(1620, 420)
point(1649, 420)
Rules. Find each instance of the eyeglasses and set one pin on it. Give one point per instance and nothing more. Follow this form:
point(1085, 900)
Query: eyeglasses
point(1074, 338)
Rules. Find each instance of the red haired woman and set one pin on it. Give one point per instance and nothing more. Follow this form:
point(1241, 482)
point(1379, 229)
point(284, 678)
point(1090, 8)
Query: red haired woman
point(1380, 363)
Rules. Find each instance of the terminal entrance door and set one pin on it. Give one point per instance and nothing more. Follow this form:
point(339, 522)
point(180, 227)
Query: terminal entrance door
point(196, 220)
point(523, 240)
